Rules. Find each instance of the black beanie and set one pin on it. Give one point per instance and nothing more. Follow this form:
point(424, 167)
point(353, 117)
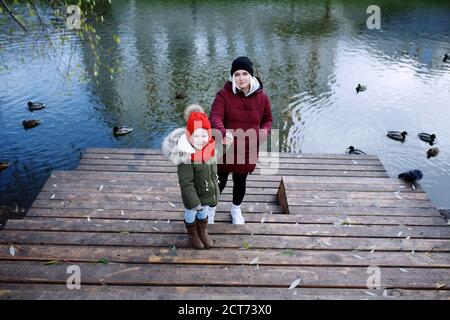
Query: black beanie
point(242, 63)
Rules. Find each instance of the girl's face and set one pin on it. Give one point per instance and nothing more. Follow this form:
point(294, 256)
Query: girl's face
point(199, 138)
point(242, 79)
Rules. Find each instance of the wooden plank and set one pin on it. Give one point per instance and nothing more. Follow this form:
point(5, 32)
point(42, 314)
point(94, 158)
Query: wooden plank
point(131, 186)
point(273, 154)
point(224, 216)
point(175, 199)
point(293, 201)
point(278, 172)
point(236, 241)
point(246, 207)
point(262, 160)
point(150, 227)
point(224, 256)
point(154, 176)
point(285, 166)
point(239, 276)
point(92, 292)
point(144, 197)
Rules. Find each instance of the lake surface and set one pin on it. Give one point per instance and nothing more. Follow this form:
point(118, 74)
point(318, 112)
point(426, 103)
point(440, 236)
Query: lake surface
point(310, 57)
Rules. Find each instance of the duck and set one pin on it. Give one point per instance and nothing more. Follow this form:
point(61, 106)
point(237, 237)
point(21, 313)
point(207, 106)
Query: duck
point(446, 58)
point(180, 95)
point(352, 150)
point(32, 106)
point(28, 124)
point(397, 135)
point(411, 175)
point(360, 88)
point(432, 152)
point(427, 137)
point(3, 165)
point(121, 131)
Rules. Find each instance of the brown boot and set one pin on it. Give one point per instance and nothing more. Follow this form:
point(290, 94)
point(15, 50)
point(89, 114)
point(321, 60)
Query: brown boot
point(193, 235)
point(203, 233)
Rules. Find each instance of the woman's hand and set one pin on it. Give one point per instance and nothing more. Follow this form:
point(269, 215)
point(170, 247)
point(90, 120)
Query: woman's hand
point(228, 139)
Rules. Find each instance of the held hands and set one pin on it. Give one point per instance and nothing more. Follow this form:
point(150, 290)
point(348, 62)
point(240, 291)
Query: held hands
point(228, 139)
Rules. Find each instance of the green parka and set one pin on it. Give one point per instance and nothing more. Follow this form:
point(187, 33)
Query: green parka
point(198, 181)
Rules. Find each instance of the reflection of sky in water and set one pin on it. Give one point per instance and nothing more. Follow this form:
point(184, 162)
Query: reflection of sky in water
point(310, 57)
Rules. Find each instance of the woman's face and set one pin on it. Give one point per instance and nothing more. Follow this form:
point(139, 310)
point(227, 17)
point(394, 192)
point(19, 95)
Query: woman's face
point(242, 79)
point(199, 138)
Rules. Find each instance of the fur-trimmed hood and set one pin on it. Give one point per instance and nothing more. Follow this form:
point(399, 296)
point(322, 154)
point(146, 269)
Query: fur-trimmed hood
point(177, 148)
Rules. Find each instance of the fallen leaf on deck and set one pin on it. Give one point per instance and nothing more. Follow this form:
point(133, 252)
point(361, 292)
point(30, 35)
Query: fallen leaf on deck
point(172, 204)
point(288, 253)
point(121, 271)
point(440, 285)
point(254, 261)
point(245, 244)
point(103, 261)
point(398, 196)
point(294, 284)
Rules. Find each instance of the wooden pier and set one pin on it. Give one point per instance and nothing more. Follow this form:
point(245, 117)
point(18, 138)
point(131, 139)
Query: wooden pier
point(119, 217)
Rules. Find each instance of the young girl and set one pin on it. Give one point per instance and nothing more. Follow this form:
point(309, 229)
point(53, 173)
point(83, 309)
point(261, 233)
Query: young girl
point(192, 150)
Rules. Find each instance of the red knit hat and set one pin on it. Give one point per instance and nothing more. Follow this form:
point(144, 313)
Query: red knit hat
point(197, 120)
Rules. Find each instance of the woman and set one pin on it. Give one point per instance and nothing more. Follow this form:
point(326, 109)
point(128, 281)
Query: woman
point(240, 104)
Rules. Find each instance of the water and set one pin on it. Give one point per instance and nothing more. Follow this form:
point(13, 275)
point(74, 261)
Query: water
point(310, 56)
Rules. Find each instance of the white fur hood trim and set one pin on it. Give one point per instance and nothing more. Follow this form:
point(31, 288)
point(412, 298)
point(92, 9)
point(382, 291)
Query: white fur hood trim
point(177, 148)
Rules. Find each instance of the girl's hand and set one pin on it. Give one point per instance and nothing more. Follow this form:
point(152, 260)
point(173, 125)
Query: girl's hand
point(228, 139)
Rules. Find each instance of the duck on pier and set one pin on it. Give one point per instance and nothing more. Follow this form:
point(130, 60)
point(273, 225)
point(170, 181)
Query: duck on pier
point(352, 150)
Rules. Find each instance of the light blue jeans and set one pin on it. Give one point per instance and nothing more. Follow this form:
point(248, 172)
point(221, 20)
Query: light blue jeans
point(190, 215)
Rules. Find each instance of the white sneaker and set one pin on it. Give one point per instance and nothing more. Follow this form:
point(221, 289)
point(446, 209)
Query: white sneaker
point(211, 214)
point(236, 215)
